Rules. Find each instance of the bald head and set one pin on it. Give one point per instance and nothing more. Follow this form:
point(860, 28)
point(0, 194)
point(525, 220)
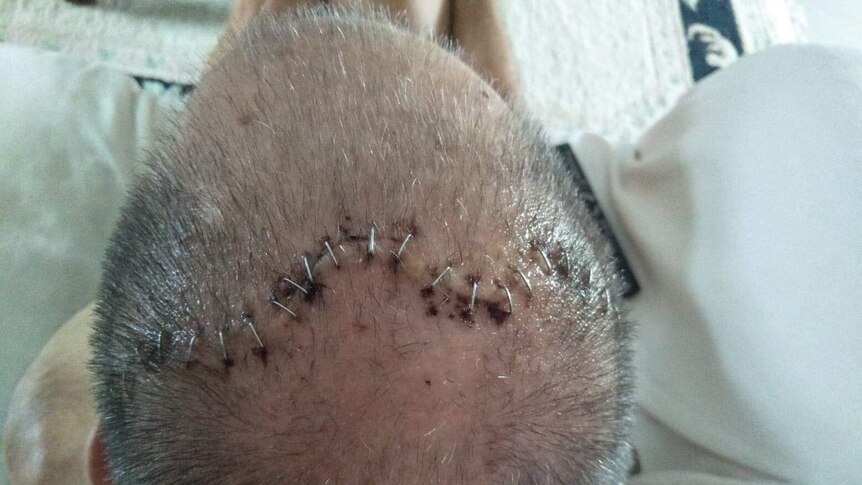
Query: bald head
point(354, 263)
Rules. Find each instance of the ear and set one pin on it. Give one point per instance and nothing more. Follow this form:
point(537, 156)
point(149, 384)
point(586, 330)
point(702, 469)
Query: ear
point(97, 464)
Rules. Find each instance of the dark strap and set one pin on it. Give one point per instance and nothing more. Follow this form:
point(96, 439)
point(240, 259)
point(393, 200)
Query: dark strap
point(630, 284)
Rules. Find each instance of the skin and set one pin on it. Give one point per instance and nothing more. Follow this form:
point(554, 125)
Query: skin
point(462, 378)
point(52, 413)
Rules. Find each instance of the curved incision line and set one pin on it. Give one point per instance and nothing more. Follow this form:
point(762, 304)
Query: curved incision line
point(297, 285)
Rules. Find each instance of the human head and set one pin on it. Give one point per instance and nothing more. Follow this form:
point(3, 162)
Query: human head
point(354, 262)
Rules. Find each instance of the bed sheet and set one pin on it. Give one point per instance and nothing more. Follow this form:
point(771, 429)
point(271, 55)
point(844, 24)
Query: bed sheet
point(71, 135)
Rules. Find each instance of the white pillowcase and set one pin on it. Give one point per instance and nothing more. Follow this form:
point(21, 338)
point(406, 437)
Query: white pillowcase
point(71, 135)
point(740, 218)
point(834, 21)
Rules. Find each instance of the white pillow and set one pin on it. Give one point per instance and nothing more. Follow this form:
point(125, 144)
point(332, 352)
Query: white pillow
point(70, 136)
point(739, 215)
point(834, 21)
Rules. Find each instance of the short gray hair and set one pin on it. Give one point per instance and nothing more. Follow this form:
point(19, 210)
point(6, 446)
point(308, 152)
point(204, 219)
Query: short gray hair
point(291, 145)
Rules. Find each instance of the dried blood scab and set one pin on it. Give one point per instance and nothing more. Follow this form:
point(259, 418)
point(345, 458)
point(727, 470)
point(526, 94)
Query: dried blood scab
point(466, 314)
point(342, 229)
point(559, 259)
point(284, 287)
point(563, 270)
point(411, 227)
point(497, 313)
point(312, 292)
point(456, 299)
point(228, 363)
point(261, 353)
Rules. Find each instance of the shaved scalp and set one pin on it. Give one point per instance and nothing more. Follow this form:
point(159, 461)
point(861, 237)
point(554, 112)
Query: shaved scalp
point(354, 263)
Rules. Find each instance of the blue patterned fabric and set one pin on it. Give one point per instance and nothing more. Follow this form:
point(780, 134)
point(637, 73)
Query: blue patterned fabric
point(712, 34)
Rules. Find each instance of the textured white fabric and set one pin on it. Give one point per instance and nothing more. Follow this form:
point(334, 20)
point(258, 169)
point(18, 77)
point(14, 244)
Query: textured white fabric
point(740, 215)
point(611, 67)
point(834, 21)
point(615, 67)
point(163, 40)
point(70, 137)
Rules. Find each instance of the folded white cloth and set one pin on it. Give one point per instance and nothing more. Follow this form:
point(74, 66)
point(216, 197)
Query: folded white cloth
point(71, 136)
point(739, 213)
